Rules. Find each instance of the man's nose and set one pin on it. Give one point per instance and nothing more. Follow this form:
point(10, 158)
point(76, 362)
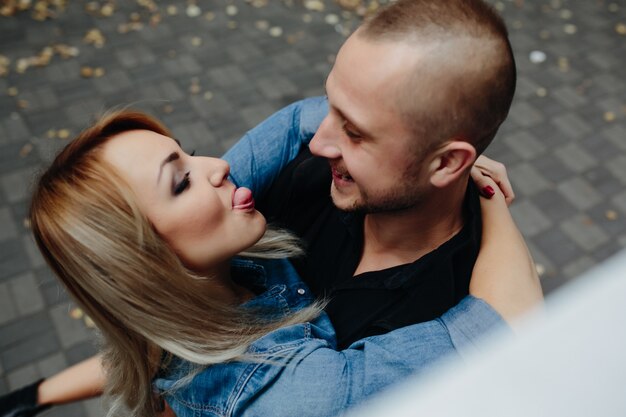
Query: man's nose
point(218, 171)
point(325, 142)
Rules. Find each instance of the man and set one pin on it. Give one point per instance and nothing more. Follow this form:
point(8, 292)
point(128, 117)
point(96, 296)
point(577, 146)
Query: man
point(414, 96)
point(416, 93)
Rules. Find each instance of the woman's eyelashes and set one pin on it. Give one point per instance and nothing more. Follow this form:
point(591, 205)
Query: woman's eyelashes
point(192, 153)
point(182, 185)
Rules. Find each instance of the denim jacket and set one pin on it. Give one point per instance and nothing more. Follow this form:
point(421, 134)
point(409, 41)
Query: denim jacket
point(303, 374)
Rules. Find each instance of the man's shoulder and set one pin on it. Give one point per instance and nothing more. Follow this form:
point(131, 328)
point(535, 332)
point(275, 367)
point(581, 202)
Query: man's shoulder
point(299, 193)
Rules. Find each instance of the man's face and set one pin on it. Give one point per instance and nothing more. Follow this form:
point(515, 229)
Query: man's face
point(373, 154)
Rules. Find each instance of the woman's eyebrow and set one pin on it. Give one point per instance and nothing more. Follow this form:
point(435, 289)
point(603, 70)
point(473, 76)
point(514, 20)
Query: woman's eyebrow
point(170, 158)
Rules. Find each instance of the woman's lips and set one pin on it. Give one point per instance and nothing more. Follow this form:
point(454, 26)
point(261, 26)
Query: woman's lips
point(243, 200)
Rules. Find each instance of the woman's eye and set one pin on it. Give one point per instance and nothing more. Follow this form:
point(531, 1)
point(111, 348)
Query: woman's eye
point(182, 186)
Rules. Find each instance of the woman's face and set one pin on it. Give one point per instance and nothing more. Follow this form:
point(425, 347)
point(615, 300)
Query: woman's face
point(188, 199)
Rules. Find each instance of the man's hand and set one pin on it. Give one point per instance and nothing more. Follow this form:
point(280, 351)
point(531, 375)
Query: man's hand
point(485, 168)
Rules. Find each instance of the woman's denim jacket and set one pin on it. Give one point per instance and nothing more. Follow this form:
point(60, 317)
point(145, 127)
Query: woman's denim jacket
point(304, 374)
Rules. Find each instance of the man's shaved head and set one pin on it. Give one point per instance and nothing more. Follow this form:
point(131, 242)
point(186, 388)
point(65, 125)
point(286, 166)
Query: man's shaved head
point(463, 76)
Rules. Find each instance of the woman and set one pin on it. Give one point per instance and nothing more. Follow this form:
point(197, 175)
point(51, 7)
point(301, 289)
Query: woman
point(142, 235)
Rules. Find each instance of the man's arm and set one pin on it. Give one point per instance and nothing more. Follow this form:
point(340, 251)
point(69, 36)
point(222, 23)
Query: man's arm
point(257, 158)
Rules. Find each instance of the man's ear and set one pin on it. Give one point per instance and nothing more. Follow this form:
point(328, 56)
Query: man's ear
point(450, 162)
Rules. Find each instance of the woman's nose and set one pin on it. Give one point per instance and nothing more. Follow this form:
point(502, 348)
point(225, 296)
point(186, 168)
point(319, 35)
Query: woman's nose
point(218, 172)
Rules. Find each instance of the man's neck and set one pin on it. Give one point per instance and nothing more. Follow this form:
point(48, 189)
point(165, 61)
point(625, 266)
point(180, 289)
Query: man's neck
point(396, 238)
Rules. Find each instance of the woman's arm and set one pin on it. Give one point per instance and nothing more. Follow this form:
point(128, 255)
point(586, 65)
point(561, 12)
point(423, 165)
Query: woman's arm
point(81, 381)
point(504, 275)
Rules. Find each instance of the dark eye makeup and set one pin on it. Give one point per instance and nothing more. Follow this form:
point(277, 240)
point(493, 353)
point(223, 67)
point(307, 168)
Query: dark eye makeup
point(182, 185)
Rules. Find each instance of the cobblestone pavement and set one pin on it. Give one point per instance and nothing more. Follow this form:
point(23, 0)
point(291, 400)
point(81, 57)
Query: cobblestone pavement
point(214, 70)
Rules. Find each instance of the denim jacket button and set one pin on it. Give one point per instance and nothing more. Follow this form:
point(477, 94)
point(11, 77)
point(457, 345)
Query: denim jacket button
point(301, 291)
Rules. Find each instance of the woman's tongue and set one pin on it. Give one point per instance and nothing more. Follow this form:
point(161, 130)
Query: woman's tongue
point(242, 199)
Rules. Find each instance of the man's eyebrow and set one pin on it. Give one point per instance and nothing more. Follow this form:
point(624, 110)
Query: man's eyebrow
point(170, 158)
point(361, 131)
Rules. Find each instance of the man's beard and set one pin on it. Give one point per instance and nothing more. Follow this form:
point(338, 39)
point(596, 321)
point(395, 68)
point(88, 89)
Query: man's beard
point(404, 197)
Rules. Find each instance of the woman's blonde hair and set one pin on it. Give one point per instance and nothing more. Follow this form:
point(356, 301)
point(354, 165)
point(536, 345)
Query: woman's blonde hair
point(141, 297)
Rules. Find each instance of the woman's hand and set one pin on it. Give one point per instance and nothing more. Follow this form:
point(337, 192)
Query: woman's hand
point(484, 171)
point(504, 275)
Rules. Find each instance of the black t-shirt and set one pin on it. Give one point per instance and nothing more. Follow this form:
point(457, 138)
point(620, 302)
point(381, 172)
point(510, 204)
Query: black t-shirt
point(373, 302)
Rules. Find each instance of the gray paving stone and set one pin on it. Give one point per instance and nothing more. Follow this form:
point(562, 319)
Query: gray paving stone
point(602, 60)
point(24, 329)
point(529, 218)
point(253, 115)
point(527, 180)
point(212, 111)
point(36, 260)
point(25, 352)
point(578, 267)
point(606, 82)
point(568, 97)
point(51, 365)
point(11, 157)
point(620, 201)
point(26, 295)
point(551, 168)
point(8, 309)
point(94, 407)
point(113, 81)
point(526, 87)
point(584, 232)
point(571, 125)
point(17, 184)
point(8, 229)
point(276, 87)
point(227, 76)
point(606, 250)
point(81, 351)
point(72, 409)
point(578, 192)
point(196, 136)
point(13, 128)
point(22, 376)
point(525, 115)
point(51, 289)
point(618, 167)
point(13, 258)
point(525, 144)
point(71, 331)
point(617, 135)
point(81, 112)
point(598, 146)
point(561, 248)
point(607, 216)
point(245, 51)
point(575, 157)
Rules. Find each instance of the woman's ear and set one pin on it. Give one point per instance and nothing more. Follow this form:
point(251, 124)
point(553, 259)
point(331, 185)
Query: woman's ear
point(451, 162)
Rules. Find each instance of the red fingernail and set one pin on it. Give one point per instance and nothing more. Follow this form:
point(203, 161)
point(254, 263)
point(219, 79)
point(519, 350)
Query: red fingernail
point(488, 191)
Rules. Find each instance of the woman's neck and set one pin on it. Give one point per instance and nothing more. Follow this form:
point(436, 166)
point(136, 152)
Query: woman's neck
point(225, 288)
